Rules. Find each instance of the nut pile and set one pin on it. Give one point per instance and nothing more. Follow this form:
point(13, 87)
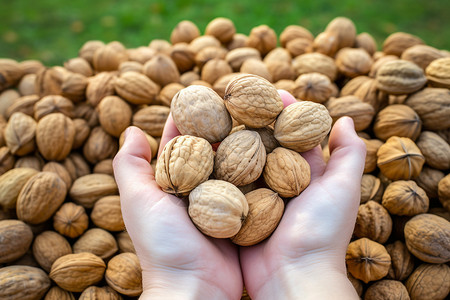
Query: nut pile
point(61, 231)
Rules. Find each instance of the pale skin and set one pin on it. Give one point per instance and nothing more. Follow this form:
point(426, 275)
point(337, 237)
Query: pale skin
point(304, 258)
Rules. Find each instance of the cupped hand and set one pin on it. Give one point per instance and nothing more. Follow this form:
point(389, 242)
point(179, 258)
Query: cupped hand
point(177, 260)
point(305, 256)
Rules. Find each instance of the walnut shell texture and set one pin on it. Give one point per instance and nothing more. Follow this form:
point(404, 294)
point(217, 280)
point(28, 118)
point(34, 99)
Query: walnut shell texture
point(387, 290)
point(240, 158)
point(107, 214)
point(286, 172)
point(218, 208)
point(429, 282)
point(399, 158)
point(435, 150)
point(75, 272)
point(427, 237)
point(374, 222)
point(87, 189)
point(402, 262)
point(303, 125)
point(11, 183)
point(397, 120)
point(405, 198)
point(367, 260)
point(361, 112)
point(48, 247)
point(199, 111)
point(265, 211)
point(96, 241)
point(252, 100)
point(95, 292)
point(16, 238)
point(399, 77)
point(124, 274)
point(23, 282)
point(71, 220)
point(185, 162)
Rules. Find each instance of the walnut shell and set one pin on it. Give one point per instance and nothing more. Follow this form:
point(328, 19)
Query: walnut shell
point(185, 162)
point(367, 260)
point(263, 38)
point(366, 41)
point(94, 293)
point(397, 120)
point(236, 57)
point(292, 32)
point(57, 293)
point(100, 86)
point(299, 46)
point(151, 119)
point(107, 214)
point(429, 282)
point(421, 55)
point(54, 136)
point(218, 208)
point(267, 137)
point(286, 172)
point(169, 91)
point(345, 31)
point(16, 237)
point(353, 62)
point(444, 191)
point(48, 247)
point(24, 104)
point(86, 112)
point(79, 65)
point(124, 274)
point(428, 180)
point(400, 158)
point(88, 49)
point(23, 282)
point(240, 158)
point(256, 67)
point(372, 147)
point(313, 86)
point(400, 77)
point(114, 115)
point(295, 129)
point(264, 213)
point(183, 57)
point(374, 222)
point(136, 88)
point(76, 165)
point(221, 28)
point(71, 220)
point(74, 86)
point(96, 241)
point(11, 73)
point(387, 290)
point(20, 134)
point(427, 237)
point(435, 150)
point(48, 81)
point(402, 262)
point(252, 100)
point(398, 42)
point(75, 272)
point(11, 182)
point(40, 197)
point(7, 161)
point(99, 145)
point(239, 40)
point(199, 111)
point(185, 31)
point(106, 166)
point(162, 70)
point(438, 72)
point(124, 242)
point(214, 69)
point(362, 113)
point(405, 198)
point(59, 170)
point(315, 62)
point(108, 58)
point(365, 88)
point(371, 188)
point(87, 189)
point(431, 104)
point(51, 104)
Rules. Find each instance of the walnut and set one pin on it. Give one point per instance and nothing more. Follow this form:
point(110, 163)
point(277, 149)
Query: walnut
point(353, 62)
point(367, 260)
point(438, 72)
point(372, 146)
point(16, 237)
point(386, 289)
point(444, 191)
point(313, 86)
point(292, 32)
point(124, 274)
point(405, 198)
point(362, 113)
point(435, 150)
point(428, 180)
point(263, 38)
point(221, 28)
point(397, 120)
point(185, 31)
point(315, 62)
point(400, 158)
point(371, 188)
point(400, 77)
point(402, 262)
point(373, 222)
point(97, 241)
point(421, 55)
point(427, 236)
point(23, 282)
point(429, 282)
point(48, 247)
point(398, 42)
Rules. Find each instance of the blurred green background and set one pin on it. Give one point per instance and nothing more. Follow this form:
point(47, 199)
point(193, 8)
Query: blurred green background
point(53, 31)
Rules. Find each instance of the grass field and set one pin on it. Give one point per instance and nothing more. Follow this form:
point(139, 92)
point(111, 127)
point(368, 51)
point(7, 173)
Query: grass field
point(53, 31)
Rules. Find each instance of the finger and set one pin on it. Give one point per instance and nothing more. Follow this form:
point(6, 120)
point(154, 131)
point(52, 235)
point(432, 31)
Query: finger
point(170, 131)
point(314, 157)
point(132, 169)
point(287, 98)
point(347, 152)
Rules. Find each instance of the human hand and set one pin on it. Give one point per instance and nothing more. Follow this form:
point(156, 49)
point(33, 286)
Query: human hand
point(177, 260)
point(305, 256)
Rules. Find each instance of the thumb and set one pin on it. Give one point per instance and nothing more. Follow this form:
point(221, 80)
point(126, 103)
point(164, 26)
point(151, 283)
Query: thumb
point(132, 169)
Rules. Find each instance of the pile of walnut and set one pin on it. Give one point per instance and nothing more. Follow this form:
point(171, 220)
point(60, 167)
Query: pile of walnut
point(61, 231)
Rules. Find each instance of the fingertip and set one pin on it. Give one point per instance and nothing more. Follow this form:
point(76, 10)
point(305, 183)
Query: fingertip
point(286, 97)
point(170, 131)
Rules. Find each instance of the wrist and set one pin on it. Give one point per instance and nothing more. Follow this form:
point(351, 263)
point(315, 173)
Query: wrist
point(319, 281)
point(178, 284)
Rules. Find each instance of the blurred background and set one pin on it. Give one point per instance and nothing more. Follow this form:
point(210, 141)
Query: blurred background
point(53, 31)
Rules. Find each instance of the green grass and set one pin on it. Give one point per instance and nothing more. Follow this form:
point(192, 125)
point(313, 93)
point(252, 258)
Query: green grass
point(53, 31)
